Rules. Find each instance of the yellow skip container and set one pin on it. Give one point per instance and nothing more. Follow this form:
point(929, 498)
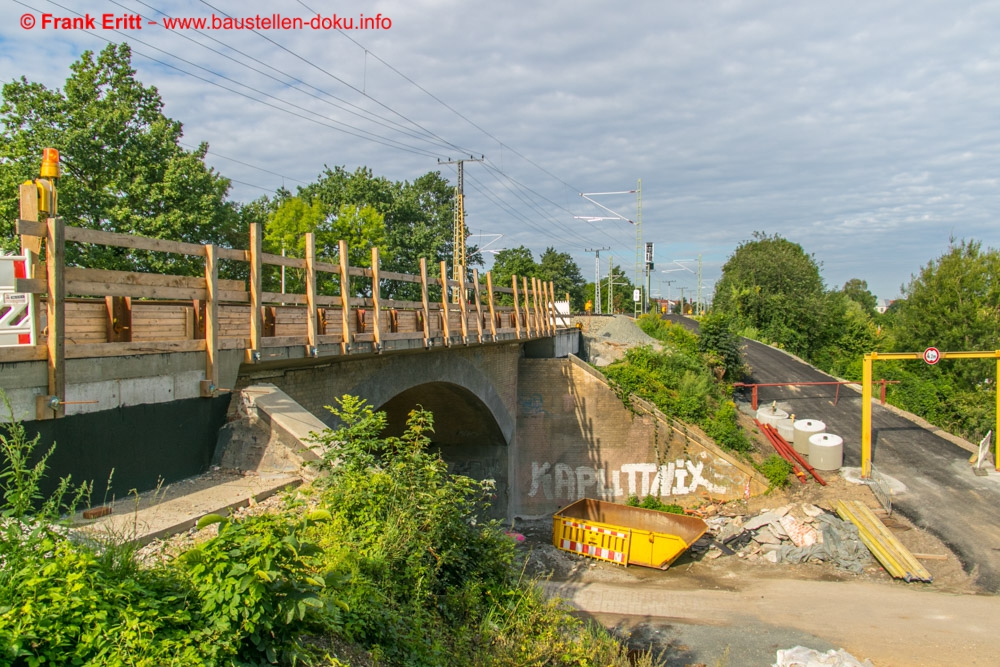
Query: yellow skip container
point(624, 535)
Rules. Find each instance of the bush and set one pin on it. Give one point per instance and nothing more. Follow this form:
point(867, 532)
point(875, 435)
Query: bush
point(777, 471)
point(654, 503)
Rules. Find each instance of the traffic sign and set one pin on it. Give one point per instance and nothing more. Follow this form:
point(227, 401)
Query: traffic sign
point(932, 355)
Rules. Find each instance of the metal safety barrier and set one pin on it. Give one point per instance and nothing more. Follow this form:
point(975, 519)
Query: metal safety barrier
point(16, 309)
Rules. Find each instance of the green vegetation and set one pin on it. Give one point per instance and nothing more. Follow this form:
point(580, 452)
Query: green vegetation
point(777, 471)
point(681, 381)
point(654, 503)
point(123, 167)
point(770, 290)
point(557, 267)
point(388, 558)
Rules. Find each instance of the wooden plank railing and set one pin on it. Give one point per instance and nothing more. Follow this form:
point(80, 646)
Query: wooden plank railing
point(145, 313)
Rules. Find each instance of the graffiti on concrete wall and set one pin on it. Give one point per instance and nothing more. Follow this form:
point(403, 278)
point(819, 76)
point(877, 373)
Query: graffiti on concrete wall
point(564, 482)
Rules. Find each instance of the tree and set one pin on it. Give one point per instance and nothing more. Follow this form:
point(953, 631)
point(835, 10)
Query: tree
point(513, 262)
point(952, 303)
point(721, 346)
point(560, 268)
point(418, 218)
point(856, 290)
point(123, 168)
point(772, 285)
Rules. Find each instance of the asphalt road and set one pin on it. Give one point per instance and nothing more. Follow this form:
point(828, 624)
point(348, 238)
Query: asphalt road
point(942, 494)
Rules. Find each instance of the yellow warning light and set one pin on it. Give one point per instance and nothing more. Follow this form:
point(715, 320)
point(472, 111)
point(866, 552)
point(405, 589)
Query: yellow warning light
point(50, 163)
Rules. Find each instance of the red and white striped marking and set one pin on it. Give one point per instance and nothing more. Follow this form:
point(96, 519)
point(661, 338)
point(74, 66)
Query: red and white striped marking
point(592, 550)
point(596, 529)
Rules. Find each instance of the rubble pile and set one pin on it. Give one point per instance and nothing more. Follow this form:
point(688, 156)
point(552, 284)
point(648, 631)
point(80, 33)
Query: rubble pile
point(790, 534)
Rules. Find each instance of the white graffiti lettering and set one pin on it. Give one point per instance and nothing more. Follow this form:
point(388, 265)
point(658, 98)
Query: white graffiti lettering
point(541, 478)
point(564, 482)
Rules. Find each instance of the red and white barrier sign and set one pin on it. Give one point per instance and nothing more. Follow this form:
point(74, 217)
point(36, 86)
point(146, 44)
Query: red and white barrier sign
point(16, 321)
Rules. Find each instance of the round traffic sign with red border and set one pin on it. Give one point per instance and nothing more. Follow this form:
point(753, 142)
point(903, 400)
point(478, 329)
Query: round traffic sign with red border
point(932, 355)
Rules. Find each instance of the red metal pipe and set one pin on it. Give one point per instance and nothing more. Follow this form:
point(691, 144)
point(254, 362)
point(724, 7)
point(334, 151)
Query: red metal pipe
point(795, 454)
point(781, 451)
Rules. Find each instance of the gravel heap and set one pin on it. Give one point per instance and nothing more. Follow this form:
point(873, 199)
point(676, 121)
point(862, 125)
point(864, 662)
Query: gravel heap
point(606, 337)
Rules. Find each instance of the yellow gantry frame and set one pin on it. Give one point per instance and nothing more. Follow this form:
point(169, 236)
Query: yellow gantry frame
point(866, 397)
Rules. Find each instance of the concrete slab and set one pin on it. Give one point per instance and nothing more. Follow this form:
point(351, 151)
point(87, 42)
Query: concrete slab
point(177, 507)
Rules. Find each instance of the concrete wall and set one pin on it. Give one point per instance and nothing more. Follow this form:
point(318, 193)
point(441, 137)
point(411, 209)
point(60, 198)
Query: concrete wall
point(576, 439)
point(115, 382)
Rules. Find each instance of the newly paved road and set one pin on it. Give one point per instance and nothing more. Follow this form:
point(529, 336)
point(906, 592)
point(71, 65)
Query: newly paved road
point(942, 494)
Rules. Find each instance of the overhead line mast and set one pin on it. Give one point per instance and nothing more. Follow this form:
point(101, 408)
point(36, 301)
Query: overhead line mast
point(458, 260)
point(597, 277)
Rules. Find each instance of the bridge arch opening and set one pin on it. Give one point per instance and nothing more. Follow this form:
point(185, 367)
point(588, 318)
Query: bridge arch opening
point(466, 433)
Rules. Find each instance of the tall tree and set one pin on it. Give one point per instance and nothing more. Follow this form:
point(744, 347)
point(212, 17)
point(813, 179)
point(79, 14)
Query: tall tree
point(512, 262)
point(771, 284)
point(564, 273)
point(857, 291)
point(123, 168)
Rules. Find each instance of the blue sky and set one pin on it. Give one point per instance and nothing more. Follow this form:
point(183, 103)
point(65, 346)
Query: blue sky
point(866, 132)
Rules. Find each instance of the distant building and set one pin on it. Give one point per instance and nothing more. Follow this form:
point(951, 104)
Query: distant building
point(883, 305)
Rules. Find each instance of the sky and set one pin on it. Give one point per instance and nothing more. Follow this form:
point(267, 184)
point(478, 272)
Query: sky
point(865, 132)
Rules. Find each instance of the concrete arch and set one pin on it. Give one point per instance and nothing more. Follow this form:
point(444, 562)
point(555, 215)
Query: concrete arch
point(404, 373)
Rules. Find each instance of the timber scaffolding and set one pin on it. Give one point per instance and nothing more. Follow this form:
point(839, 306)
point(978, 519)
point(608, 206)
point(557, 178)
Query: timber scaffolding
point(150, 313)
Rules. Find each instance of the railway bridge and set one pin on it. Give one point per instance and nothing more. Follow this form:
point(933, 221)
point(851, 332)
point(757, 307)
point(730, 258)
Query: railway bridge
point(135, 371)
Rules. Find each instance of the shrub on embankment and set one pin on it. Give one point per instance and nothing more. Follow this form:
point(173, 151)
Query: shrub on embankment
point(683, 380)
point(389, 557)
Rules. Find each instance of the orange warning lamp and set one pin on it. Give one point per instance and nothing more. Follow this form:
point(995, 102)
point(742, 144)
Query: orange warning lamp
point(50, 163)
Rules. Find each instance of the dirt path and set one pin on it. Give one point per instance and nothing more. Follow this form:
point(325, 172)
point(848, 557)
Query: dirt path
point(890, 625)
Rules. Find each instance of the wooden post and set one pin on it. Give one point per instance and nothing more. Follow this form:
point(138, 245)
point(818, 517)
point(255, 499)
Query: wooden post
point(312, 325)
point(211, 382)
point(256, 269)
point(31, 248)
point(376, 306)
point(517, 307)
point(539, 324)
point(445, 325)
point(345, 308)
point(546, 311)
point(55, 255)
point(424, 300)
point(479, 305)
point(463, 305)
point(552, 301)
point(527, 308)
point(493, 314)
point(118, 325)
